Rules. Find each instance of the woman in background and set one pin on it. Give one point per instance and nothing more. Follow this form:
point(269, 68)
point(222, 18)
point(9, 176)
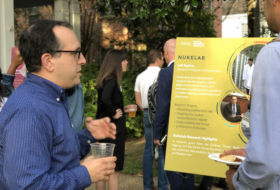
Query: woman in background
point(4, 92)
point(7, 80)
point(110, 104)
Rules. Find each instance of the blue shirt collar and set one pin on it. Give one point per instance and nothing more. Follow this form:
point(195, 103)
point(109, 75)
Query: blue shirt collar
point(52, 89)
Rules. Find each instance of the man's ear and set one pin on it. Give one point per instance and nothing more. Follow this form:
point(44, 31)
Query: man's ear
point(47, 62)
point(157, 61)
point(275, 2)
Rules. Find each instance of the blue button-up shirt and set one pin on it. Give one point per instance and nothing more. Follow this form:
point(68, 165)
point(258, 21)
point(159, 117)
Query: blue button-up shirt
point(38, 146)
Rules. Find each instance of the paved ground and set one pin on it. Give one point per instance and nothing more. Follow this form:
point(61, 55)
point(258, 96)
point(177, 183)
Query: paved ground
point(133, 182)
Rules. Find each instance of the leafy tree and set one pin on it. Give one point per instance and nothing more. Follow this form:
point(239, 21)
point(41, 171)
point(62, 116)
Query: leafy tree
point(90, 34)
point(152, 22)
point(149, 22)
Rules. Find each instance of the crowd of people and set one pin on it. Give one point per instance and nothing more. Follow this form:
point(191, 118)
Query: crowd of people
point(41, 135)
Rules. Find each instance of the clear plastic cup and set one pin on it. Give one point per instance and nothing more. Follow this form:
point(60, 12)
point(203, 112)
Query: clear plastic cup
point(132, 110)
point(102, 150)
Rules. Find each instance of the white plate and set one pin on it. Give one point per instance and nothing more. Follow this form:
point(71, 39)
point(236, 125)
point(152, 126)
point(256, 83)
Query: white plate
point(216, 157)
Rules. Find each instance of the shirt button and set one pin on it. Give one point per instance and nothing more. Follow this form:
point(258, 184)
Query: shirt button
point(57, 99)
point(89, 141)
point(61, 91)
point(72, 125)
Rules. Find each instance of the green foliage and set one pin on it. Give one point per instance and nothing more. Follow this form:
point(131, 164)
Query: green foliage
point(88, 81)
point(265, 32)
point(134, 125)
point(133, 163)
point(153, 22)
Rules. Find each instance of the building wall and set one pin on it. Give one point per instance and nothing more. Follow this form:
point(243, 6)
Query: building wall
point(219, 13)
point(236, 26)
point(6, 33)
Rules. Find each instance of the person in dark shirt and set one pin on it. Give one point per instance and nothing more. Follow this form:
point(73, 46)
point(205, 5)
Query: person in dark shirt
point(110, 104)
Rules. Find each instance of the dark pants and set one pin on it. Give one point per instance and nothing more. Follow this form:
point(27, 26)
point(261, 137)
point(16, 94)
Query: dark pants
point(206, 182)
point(248, 91)
point(176, 181)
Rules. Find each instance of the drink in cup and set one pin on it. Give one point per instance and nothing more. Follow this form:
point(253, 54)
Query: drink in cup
point(132, 110)
point(102, 150)
point(132, 113)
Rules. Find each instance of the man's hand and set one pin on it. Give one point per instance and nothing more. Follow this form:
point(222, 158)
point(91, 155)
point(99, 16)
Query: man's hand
point(125, 109)
point(229, 175)
point(17, 61)
point(157, 142)
point(101, 128)
point(238, 152)
point(242, 114)
point(99, 169)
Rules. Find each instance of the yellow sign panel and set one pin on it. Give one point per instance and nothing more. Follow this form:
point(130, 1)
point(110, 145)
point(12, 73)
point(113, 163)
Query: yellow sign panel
point(209, 74)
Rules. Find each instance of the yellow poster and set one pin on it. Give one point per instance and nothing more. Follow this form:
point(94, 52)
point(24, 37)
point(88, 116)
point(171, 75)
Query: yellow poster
point(210, 76)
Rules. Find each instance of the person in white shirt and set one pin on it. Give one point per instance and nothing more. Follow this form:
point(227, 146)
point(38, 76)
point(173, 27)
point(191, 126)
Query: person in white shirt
point(247, 75)
point(143, 82)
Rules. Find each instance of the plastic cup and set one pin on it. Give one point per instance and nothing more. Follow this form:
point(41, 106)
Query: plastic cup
point(102, 150)
point(132, 110)
point(132, 113)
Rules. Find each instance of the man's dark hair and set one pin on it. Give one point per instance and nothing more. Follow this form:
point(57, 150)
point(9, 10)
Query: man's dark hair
point(250, 59)
point(153, 55)
point(38, 39)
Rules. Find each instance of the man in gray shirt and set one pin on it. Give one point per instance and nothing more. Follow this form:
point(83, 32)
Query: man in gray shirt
point(261, 168)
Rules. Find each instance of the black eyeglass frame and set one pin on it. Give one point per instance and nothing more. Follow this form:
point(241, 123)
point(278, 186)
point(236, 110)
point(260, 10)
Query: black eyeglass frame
point(67, 51)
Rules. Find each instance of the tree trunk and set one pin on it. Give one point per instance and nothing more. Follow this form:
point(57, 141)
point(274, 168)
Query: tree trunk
point(253, 18)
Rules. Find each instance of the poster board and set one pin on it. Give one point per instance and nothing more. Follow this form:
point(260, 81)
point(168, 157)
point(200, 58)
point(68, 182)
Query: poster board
point(207, 74)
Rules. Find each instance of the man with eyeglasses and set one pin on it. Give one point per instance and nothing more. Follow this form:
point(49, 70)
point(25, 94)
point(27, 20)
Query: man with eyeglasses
point(232, 111)
point(261, 167)
point(38, 146)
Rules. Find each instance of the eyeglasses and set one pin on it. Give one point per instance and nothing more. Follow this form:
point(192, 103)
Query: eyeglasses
point(79, 52)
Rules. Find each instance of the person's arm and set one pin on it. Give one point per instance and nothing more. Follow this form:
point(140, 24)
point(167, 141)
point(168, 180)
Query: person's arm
point(226, 111)
point(17, 61)
point(163, 106)
point(8, 81)
point(137, 89)
point(9, 77)
point(138, 100)
point(260, 169)
point(27, 156)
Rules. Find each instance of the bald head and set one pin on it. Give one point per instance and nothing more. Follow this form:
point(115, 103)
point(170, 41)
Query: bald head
point(169, 50)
